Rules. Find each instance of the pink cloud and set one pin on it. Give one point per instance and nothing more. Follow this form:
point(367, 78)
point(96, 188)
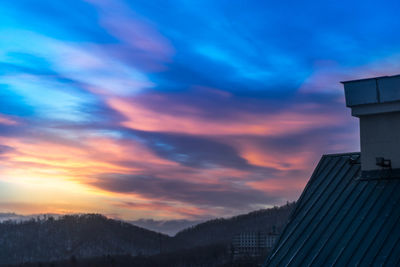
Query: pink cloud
point(7, 120)
point(142, 118)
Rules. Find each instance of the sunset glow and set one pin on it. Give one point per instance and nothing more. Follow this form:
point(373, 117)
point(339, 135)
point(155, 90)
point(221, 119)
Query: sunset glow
point(175, 109)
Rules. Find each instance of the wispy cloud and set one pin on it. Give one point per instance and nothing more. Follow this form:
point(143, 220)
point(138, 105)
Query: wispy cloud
point(176, 109)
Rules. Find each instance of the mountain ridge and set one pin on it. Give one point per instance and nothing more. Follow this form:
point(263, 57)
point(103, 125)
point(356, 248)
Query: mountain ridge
point(94, 235)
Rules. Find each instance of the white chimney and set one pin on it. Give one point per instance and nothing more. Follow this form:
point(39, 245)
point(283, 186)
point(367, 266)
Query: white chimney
point(376, 102)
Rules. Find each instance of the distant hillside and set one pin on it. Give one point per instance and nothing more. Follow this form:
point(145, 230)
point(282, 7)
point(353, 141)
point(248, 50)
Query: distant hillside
point(221, 231)
point(7, 216)
point(80, 236)
point(169, 227)
point(91, 235)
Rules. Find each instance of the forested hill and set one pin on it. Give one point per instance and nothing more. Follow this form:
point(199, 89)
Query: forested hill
point(223, 230)
point(81, 236)
point(92, 235)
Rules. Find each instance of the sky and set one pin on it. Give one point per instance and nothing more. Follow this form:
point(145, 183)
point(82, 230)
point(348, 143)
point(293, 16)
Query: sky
point(179, 109)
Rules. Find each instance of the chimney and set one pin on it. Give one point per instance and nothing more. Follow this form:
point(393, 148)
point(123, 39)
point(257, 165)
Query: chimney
point(376, 102)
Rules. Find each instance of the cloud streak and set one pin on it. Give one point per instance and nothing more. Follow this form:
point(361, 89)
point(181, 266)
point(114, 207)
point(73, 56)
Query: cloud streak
point(199, 194)
point(175, 109)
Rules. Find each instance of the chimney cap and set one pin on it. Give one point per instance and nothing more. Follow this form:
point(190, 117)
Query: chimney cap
point(373, 95)
point(371, 78)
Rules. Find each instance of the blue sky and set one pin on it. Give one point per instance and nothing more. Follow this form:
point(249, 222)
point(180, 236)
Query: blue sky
point(179, 109)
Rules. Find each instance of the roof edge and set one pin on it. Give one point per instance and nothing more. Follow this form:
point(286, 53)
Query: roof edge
point(371, 78)
point(341, 154)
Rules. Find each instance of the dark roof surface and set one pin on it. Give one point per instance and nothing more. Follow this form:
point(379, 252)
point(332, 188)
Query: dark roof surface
point(342, 221)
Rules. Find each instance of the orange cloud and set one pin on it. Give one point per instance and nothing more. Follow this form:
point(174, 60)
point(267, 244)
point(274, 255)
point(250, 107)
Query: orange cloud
point(275, 159)
point(286, 187)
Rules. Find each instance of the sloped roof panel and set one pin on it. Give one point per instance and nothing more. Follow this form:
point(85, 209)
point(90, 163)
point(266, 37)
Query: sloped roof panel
point(342, 221)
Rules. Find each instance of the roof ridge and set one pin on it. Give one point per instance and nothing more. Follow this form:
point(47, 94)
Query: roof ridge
point(341, 154)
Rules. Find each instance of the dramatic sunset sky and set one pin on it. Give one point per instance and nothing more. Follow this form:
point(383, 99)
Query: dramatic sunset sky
point(178, 109)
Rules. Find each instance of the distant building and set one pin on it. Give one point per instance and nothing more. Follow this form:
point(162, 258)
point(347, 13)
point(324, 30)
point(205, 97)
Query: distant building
point(271, 240)
point(349, 212)
point(253, 243)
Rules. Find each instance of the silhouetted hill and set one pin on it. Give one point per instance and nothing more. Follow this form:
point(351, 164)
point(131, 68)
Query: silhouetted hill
point(81, 236)
point(221, 231)
point(91, 236)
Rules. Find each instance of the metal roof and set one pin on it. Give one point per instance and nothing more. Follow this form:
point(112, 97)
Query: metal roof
point(340, 220)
